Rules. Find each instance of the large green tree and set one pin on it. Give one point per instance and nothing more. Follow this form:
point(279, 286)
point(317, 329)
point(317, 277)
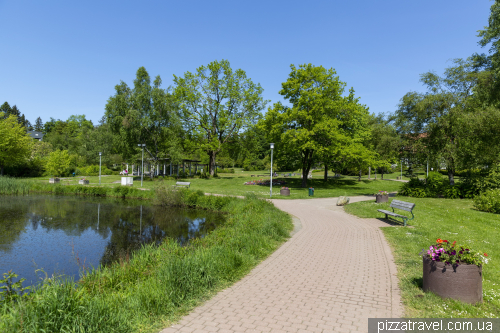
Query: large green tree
point(448, 120)
point(320, 124)
point(15, 144)
point(146, 114)
point(57, 163)
point(216, 103)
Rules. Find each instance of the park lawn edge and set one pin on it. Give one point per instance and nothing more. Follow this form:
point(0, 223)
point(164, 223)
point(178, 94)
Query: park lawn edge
point(158, 285)
point(432, 222)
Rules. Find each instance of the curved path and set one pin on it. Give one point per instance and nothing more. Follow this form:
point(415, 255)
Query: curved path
point(331, 276)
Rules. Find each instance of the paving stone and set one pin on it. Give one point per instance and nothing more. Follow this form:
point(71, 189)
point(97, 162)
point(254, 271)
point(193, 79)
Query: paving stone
point(331, 276)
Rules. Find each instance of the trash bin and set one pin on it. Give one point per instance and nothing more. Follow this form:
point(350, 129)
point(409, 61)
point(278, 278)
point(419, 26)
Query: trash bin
point(311, 191)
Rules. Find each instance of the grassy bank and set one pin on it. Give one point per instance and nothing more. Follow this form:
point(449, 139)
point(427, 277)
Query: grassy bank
point(451, 219)
point(233, 184)
point(159, 283)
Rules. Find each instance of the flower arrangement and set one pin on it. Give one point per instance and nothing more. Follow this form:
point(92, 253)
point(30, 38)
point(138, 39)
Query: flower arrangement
point(453, 254)
point(285, 188)
point(381, 193)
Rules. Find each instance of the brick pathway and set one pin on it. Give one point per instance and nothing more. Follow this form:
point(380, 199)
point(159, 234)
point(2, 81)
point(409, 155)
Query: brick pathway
point(331, 276)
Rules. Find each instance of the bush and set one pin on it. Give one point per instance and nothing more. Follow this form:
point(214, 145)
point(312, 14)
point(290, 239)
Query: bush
point(93, 170)
point(488, 201)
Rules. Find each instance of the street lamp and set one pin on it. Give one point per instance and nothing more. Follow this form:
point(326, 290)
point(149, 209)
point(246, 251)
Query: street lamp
point(142, 169)
point(100, 168)
point(271, 183)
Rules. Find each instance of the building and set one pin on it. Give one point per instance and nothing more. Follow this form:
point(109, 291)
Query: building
point(36, 135)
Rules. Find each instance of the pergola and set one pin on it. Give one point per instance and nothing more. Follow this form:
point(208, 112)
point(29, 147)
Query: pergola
point(173, 168)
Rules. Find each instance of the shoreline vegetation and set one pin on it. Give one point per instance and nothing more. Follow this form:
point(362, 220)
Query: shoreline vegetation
point(158, 284)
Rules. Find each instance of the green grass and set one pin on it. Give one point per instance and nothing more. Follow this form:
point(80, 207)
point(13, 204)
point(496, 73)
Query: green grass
point(159, 283)
point(10, 185)
point(233, 184)
point(451, 219)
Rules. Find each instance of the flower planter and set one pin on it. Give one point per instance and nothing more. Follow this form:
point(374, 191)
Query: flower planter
point(285, 192)
point(83, 182)
point(381, 198)
point(463, 283)
point(127, 181)
point(54, 180)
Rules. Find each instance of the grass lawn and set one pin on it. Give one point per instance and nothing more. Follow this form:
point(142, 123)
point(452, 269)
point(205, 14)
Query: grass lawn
point(233, 184)
point(451, 219)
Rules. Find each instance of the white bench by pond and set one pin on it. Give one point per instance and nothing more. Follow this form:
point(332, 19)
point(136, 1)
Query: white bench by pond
point(407, 206)
point(180, 184)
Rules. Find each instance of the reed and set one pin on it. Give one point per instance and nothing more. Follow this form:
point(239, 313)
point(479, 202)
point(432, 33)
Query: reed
point(158, 284)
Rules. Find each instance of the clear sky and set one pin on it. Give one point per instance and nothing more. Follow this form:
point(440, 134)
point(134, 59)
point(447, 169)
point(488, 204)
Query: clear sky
point(59, 58)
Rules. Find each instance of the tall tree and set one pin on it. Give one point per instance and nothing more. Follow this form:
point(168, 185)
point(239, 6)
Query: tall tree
point(216, 103)
point(15, 144)
point(385, 141)
point(38, 124)
point(144, 114)
point(446, 117)
point(321, 122)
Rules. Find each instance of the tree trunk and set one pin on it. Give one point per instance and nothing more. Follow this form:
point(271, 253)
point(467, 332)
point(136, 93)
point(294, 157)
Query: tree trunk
point(359, 179)
point(451, 176)
point(382, 174)
point(211, 163)
point(1, 170)
point(326, 172)
point(305, 173)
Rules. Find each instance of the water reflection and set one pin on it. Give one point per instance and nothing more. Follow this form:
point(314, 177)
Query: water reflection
point(64, 234)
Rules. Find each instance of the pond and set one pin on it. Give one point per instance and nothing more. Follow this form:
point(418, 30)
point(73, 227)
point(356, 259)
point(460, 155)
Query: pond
point(63, 234)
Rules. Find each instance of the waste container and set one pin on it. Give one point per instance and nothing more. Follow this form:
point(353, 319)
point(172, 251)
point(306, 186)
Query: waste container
point(311, 191)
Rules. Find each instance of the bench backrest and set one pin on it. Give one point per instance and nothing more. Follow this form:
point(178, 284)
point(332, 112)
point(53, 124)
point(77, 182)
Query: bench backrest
point(403, 205)
point(183, 183)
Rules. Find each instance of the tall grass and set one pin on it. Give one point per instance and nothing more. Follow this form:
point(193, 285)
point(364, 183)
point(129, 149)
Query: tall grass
point(16, 186)
point(10, 185)
point(159, 283)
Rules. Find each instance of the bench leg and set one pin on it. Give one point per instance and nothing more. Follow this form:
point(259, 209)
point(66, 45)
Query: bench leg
point(404, 220)
point(386, 217)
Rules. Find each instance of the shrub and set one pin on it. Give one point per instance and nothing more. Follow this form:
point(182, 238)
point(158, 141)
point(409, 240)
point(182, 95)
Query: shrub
point(488, 201)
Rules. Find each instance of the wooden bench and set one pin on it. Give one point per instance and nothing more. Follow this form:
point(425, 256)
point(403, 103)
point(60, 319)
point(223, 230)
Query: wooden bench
point(407, 206)
point(180, 184)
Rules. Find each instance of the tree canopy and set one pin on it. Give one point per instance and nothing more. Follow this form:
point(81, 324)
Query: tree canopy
point(216, 103)
point(15, 144)
point(320, 123)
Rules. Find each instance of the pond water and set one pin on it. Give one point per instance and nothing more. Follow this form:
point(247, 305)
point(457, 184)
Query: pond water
point(62, 234)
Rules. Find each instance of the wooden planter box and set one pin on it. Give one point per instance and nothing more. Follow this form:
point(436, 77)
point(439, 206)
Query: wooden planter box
point(381, 198)
point(286, 193)
point(463, 283)
point(83, 182)
point(54, 180)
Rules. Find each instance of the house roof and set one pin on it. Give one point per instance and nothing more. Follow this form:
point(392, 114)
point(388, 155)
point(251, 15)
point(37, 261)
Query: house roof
point(35, 134)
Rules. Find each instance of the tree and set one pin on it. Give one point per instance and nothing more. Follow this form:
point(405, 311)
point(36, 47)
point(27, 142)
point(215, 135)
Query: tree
point(320, 124)
point(15, 144)
point(38, 124)
point(144, 114)
point(448, 121)
point(216, 103)
point(58, 162)
point(385, 141)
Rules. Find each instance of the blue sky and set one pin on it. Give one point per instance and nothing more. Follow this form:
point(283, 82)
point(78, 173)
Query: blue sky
point(60, 58)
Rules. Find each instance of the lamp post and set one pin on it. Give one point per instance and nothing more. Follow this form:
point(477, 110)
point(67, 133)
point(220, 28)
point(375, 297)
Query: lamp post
point(271, 183)
point(142, 145)
point(100, 168)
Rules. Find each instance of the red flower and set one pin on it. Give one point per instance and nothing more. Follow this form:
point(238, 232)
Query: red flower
point(445, 241)
point(486, 254)
point(439, 240)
